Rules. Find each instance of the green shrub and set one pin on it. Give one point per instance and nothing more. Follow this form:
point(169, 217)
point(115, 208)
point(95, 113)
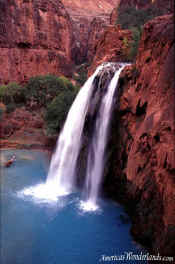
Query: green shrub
point(134, 44)
point(81, 74)
point(55, 94)
point(1, 113)
point(57, 111)
point(12, 93)
point(43, 89)
point(130, 17)
point(2, 91)
point(81, 78)
point(134, 19)
point(65, 83)
point(11, 107)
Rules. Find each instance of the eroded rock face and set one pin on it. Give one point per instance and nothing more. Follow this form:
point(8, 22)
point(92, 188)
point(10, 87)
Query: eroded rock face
point(35, 38)
point(144, 152)
point(81, 31)
point(90, 7)
point(85, 16)
point(111, 47)
point(97, 28)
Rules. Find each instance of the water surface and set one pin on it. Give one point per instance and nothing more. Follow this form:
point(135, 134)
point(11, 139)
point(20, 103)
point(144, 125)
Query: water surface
point(37, 231)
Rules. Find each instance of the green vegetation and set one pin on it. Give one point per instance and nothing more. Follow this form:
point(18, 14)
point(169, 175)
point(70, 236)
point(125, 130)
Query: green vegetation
point(57, 111)
point(53, 95)
point(81, 75)
point(12, 95)
point(134, 19)
point(42, 89)
point(131, 17)
point(136, 35)
point(1, 113)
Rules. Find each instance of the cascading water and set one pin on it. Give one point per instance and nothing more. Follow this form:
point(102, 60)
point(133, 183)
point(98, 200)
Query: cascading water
point(62, 173)
point(61, 176)
point(96, 155)
point(63, 163)
point(48, 220)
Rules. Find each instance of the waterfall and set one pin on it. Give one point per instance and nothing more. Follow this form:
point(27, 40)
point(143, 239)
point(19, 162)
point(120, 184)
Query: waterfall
point(62, 170)
point(96, 154)
point(61, 178)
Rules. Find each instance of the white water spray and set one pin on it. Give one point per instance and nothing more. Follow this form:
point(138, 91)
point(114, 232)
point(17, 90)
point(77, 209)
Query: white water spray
point(96, 155)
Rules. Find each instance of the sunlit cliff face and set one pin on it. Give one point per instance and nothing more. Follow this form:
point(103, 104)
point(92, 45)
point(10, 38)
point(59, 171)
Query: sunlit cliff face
point(90, 7)
point(34, 36)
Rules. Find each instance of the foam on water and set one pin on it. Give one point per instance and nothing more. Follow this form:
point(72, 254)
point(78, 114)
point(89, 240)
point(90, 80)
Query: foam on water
point(88, 206)
point(44, 193)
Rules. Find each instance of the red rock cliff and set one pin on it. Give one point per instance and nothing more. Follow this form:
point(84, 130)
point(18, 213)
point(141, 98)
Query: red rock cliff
point(86, 19)
point(35, 38)
point(144, 152)
point(110, 47)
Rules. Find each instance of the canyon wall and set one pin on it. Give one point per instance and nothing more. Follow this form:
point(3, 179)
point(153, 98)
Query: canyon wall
point(35, 38)
point(86, 31)
point(89, 20)
point(41, 37)
point(111, 47)
point(142, 172)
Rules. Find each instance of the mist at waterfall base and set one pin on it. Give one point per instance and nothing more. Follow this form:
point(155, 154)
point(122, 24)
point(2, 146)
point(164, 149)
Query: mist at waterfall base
point(41, 231)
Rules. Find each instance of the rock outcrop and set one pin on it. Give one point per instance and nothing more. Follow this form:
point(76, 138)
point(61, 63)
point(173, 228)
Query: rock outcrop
point(97, 28)
point(35, 38)
point(111, 47)
point(22, 129)
point(143, 171)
